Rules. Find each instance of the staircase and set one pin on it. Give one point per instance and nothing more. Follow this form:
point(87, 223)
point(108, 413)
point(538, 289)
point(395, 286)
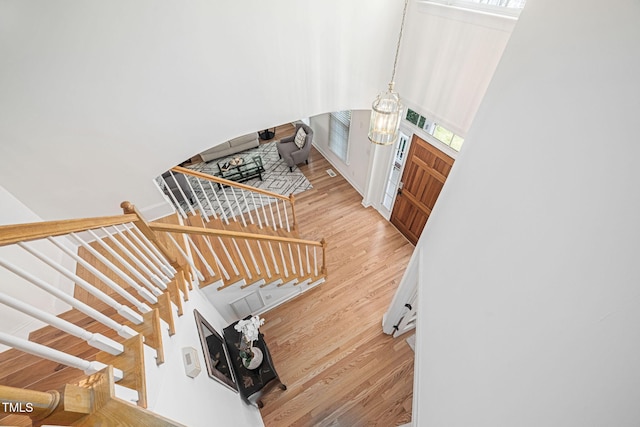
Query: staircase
point(131, 279)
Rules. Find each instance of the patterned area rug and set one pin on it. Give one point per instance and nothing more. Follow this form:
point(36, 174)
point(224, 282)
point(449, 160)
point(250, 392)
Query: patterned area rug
point(276, 177)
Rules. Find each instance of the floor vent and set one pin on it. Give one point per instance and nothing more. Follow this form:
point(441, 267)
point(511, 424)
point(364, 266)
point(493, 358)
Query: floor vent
point(331, 173)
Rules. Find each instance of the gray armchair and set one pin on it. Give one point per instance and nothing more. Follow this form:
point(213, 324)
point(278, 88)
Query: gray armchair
point(289, 151)
point(173, 186)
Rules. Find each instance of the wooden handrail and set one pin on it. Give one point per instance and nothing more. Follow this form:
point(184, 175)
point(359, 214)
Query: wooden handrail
point(219, 180)
point(129, 209)
point(14, 233)
point(92, 402)
point(172, 228)
point(36, 404)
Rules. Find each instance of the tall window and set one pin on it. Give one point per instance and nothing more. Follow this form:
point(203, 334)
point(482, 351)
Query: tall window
point(339, 134)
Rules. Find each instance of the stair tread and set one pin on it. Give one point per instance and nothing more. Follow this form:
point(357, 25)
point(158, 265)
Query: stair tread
point(23, 370)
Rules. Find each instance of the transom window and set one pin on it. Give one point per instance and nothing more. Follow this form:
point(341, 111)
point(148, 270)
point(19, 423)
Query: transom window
point(438, 131)
point(501, 7)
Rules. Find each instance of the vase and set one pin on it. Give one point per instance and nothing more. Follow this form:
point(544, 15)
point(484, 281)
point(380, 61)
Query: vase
point(255, 361)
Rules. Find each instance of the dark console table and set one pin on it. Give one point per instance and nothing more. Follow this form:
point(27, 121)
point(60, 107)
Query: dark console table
point(252, 384)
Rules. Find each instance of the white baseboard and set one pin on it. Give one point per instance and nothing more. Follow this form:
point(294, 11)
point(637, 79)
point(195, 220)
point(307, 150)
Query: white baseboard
point(337, 167)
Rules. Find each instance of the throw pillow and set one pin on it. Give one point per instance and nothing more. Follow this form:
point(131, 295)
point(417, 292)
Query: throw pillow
point(301, 135)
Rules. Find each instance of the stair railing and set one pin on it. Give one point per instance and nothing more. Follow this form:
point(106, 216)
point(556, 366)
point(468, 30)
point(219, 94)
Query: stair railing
point(91, 402)
point(125, 258)
point(231, 200)
point(253, 258)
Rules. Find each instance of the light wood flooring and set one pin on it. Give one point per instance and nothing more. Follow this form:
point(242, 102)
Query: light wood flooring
point(328, 345)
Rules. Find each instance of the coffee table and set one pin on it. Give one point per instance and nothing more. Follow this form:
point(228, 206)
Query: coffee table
point(250, 167)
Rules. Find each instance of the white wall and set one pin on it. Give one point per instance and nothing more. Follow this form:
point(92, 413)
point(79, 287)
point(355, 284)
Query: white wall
point(12, 321)
point(357, 169)
point(199, 401)
point(529, 312)
point(447, 59)
point(100, 97)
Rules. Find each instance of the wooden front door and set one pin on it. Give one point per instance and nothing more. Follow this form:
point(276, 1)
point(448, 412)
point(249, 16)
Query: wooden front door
point(423, 178)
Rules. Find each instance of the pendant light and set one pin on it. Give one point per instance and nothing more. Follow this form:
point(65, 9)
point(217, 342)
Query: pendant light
point(386, 110)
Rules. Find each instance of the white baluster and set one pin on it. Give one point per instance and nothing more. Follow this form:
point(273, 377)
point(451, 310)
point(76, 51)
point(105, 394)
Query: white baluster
point(273, 258)
point(143, 292)
point(306, 249)
point(284, 264)
point(184, 196)
point(142, 307)
point(123, 331)
point(215, 194)
point(264, 211)
point(195, 196)
point(300, 261)
point(244, 263)
point(206, 197)
point(247, 206)
point(124, 262)
point(226, 197)
point(235, 197)
point(315, 262)
point(160, 263)
point(278, 210)
point(186, 257)
point(123, 310)
point(183, 214)
point(293, 264)
point(286, 215)
point(95, 340)
point(253, 199)
point(264, 260)
point(200, 256)
point(57, 356)
point(141, 255)
point(215, 256)
point(158, 282)
point(273, 219)
point(253, 258)
point(231, 261)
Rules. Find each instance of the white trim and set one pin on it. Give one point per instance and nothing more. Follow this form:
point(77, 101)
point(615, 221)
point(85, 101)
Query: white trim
point(386, 213)
point(489, 16)
point(409, 128)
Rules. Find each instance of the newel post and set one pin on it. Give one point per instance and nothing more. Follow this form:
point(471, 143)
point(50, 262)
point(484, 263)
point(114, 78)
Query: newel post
point(324, 256)
point(293, 209)
point(129, 208)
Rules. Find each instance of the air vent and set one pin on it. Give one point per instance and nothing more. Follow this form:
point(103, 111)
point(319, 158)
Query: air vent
point(331, 173)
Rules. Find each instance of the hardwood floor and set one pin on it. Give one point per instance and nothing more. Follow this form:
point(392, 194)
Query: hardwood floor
point(328, 345)
point(283, 130)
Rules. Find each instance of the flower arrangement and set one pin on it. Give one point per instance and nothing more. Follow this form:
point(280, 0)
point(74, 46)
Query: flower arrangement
point(250, 330)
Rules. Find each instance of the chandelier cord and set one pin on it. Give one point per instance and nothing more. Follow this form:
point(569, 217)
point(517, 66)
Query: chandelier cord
point(395, 61)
